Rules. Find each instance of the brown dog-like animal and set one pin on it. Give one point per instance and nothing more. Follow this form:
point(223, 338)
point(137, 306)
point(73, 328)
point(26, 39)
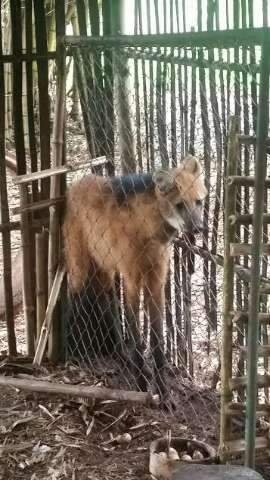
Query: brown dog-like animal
point(125, 225)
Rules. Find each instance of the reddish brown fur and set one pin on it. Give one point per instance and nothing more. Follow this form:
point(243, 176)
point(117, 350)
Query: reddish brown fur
point(129, 239)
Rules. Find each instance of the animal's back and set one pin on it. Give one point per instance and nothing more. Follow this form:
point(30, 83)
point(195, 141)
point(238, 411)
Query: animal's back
point(111, 227)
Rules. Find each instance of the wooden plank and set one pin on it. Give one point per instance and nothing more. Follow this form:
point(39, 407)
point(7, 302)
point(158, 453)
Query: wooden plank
point(11, 226)
point(237, 447)
point(26, 57)
point(243, 316)
point(239, 382)
point(221, 39)
point(250, 140)
point(239, 408)
point(245, 181)
point(42, 204)
point(238, 249)
point(49, 172)
point(263, 350)
point(247, 219)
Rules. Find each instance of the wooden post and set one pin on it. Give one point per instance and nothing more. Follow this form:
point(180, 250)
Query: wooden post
point(253, 324)
point(28, 297)
point(228, 287)
point(41, 278)
point(57, 160)
point(4, 217)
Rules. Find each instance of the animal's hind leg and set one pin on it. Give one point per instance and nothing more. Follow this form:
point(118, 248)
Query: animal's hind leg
point(155, 298)
point(135, 339)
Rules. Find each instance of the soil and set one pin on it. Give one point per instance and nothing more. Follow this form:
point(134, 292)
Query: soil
point(49, 437)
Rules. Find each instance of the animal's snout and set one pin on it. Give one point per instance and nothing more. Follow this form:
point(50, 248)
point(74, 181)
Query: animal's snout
point(195, 226)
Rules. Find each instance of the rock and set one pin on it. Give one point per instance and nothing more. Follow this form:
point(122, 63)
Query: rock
point(214, 472)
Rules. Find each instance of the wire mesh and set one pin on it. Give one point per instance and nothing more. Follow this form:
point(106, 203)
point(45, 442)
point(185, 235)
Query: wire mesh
point(144, 110)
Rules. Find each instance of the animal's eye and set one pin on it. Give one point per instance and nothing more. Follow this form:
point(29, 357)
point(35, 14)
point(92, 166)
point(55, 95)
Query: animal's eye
point(198, 203)
point(179, 205)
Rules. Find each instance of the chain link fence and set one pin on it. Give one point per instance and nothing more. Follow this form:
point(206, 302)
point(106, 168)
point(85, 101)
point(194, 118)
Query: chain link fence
point(143, 110)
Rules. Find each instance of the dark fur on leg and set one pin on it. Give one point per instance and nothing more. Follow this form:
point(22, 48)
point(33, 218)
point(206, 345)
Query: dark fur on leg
point(91, 328)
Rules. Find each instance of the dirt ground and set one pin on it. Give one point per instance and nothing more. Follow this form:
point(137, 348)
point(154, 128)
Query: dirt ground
point(48, 437)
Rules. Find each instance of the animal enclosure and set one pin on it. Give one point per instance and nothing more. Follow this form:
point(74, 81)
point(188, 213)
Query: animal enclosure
point(124, 105)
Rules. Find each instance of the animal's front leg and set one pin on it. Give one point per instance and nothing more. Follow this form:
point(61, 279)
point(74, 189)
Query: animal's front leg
point(156, 303)
point(156, 306)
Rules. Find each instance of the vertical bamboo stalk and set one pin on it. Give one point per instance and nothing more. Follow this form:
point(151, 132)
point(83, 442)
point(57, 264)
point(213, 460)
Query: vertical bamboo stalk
point(57, 160)
point(186, 125)
point(242, 331)
point(161, 122)
point(28, 297)
point(137, 98)
point(216, 211)
point(4, 216)
point(109, 91)
point(43, 91)
point(151, 97)
point(180, 295)
point(260, 173)
point(145, 99)
point(81, 85)
point(263, 299)
point(207, 150)
point(98, 87)
point(176, 255)
point(237, 112)
point(41, 279)
point(28, 300)
point(193, 104)
point(228, 286)
point(85, 81)
point(30, 99)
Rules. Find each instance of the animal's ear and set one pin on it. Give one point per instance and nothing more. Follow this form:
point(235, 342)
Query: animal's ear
point(192, 165)
point(164, 180)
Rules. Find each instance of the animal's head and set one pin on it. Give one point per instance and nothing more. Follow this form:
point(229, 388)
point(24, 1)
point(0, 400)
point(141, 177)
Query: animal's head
point(181, 192)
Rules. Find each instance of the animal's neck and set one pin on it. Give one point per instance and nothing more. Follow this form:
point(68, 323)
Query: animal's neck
point(166, 232)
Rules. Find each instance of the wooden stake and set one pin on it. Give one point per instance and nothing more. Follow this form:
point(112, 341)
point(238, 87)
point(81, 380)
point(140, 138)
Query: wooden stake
point(45, 330)
point(41, 278)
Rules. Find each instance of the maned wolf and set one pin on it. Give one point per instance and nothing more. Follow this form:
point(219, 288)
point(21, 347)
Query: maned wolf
point(125, 225)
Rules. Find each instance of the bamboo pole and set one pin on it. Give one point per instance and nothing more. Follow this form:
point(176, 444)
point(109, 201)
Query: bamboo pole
point(43, 92)
point(4, 216)
point(207, 165)
point(242, 330)
point(48, 320)
point(41, 278)
point(30, 99)
point(151, 95)
point(58, 161)
point(228, 288)
point(218, 183)
point(28, 297)
point(172, 334)
point(16, 23)
point(189, 62)
point(137, 98)
point(222, 38)
point(260, 172)
point(145, 99)
point(82, 391)
point(109, 90)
